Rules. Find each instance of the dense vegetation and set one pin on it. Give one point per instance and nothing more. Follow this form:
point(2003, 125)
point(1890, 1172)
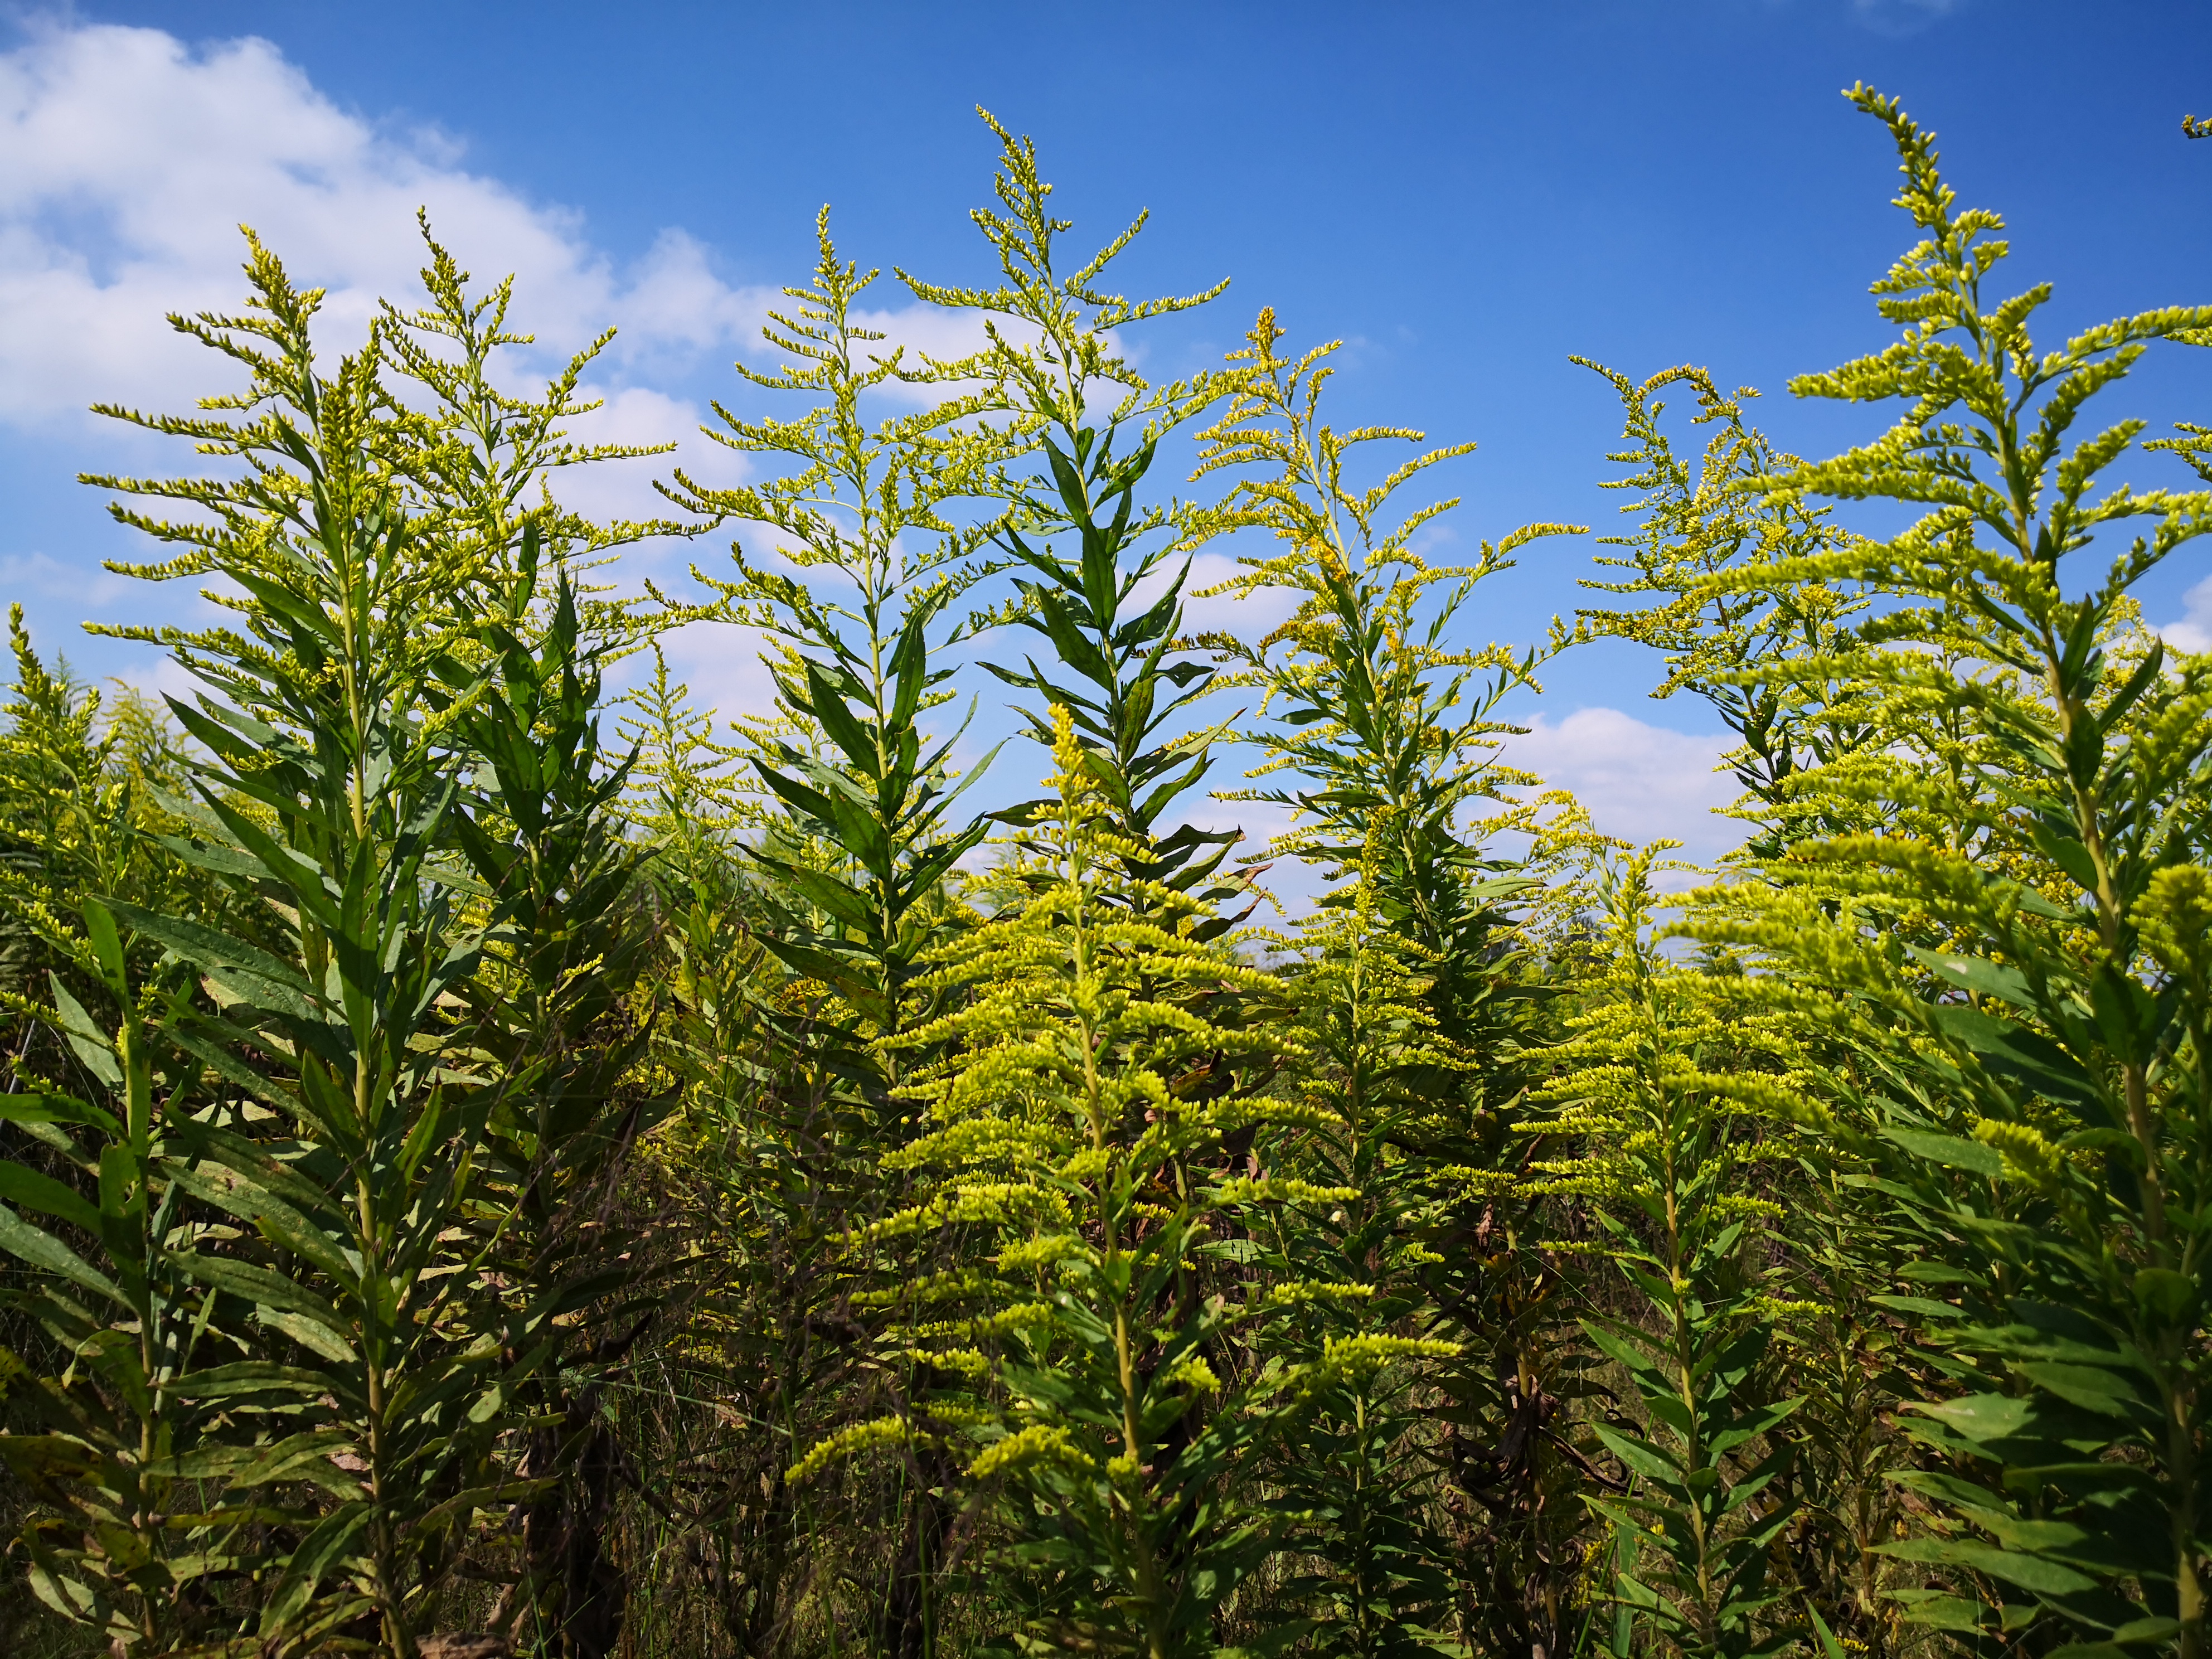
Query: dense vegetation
point(494, 1166)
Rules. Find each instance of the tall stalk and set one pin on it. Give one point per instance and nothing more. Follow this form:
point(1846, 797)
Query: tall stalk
point(2043, 975)
point(349, 1151)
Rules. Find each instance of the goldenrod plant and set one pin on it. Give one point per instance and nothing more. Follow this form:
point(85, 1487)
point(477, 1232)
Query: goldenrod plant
point(128, 1449)
point(2039, 972)
point(862, 520)
point(1391, 732)
point(1670, 1085)
point(1109, 604)
point(1376, 1542)
point(1078, 1129)
point(1694, 522)
point(344, 1142)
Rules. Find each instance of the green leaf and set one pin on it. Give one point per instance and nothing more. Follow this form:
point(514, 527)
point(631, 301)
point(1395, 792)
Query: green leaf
point(47, 1107)
point(2127, 1017)
point(41, 1250)
point(1639, 1454)
point(319, 1553)
point(1950, 1151)
point(2019, 1055)
point(1936, 1611)
point(1918, 1304)
point(2153, 1629)
point(1986, 979)
point(2107, 1393)
point(251, 1376)
point(311, 1334)
point(1982, 1417)
point(107, 946)
point(90, 1044)
point(2030, 1572)
point(2066, 851)
point(2167, 1297)
point(261, 1285)
point(1623, 1351)
point(32, 1190)
point(259, 976)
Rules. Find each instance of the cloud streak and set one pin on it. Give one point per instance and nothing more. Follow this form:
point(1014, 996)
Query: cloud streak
point(1897, 18)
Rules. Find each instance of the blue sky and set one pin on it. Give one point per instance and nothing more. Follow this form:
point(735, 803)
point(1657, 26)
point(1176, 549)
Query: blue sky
point(1465, 193)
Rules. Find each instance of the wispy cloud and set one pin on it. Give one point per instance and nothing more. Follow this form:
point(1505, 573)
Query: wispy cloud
point(1901, 17)
point(43, 575)
point(128, 159)
point(1641, 783)
point(2193, 631)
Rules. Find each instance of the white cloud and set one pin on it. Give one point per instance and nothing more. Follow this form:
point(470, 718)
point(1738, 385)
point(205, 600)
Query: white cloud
point(719, 663)
point(127, 161)
point(1641, 783)
point(673, 297)
point(2194, 631)
point(158, 678)
point(45, 575)
point(1249, 618)
point(624, 489)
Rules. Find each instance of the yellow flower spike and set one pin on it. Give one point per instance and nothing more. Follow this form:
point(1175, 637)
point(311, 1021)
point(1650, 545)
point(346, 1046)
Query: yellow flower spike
point(1040, 1443)
point(2175, 916)
point(2028, 1157)
point(848, 1443)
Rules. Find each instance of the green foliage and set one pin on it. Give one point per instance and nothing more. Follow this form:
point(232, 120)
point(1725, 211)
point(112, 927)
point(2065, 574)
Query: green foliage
point(81, 806)
point(556, 1017)
point(125, 1456)
point(1078, 1128)
point(1417, 993)
point(870, 794)
point(2048, 992)
point(469, 1190)
point(1381, 710)
point(1668, 1085)
point(326, 800)
point(1377, 1582)
point(1053, 375)
point(1696, 525)
point(333, 1211)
